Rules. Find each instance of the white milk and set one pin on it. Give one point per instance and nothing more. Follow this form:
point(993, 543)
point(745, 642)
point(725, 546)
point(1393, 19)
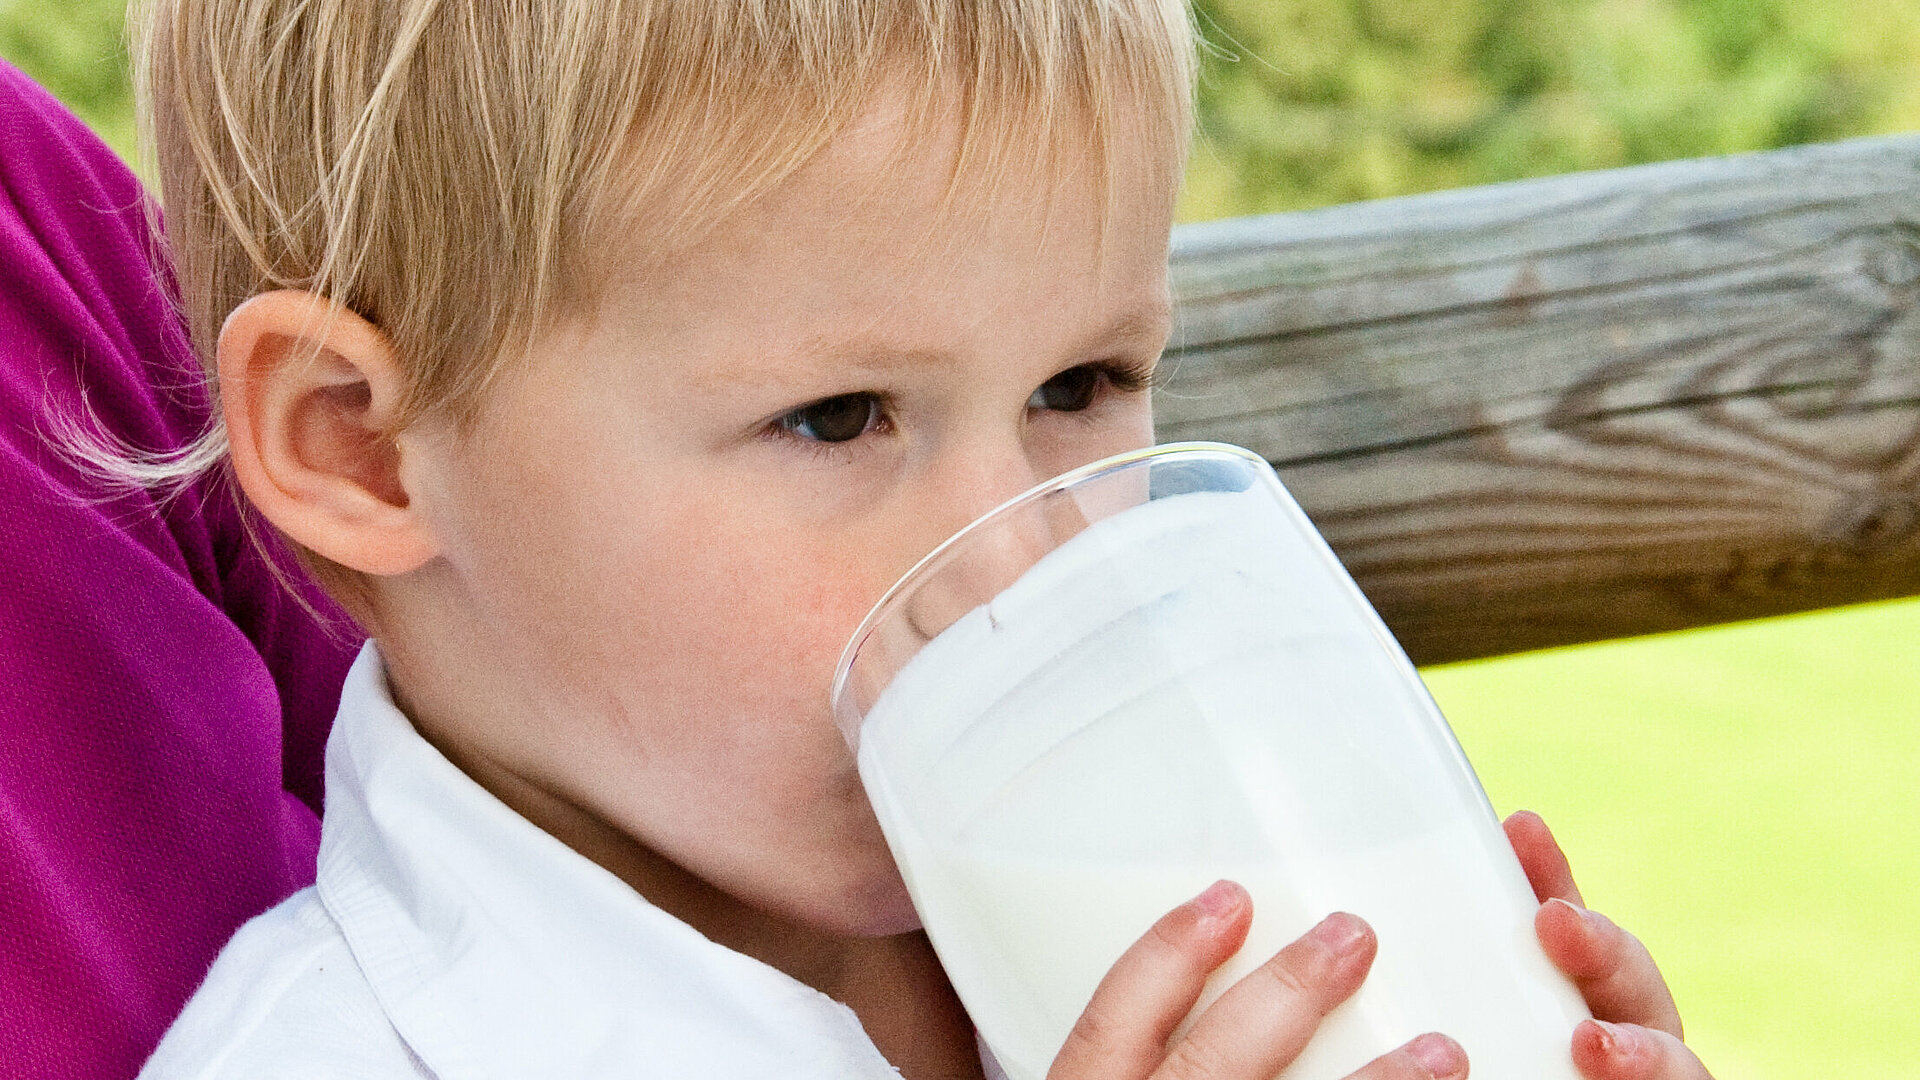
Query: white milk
point(1026, 942)
point(1173, 697)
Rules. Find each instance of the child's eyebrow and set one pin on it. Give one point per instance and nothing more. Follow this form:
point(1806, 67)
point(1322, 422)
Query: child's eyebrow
point(808, 363)
point(871, 358)
point(1149, 324)
point(1152, 321)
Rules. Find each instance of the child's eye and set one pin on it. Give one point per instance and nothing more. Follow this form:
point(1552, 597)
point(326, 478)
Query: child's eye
point(835, 419)
point(1070, 391)
point(1077, 388)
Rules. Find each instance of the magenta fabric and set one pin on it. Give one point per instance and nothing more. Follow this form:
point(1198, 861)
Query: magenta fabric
point(163, 701)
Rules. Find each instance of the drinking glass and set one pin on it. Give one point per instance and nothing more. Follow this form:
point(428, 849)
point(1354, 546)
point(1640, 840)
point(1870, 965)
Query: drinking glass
point(1148, 674)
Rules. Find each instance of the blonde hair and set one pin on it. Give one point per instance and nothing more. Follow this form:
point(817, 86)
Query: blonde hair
point(444, 168)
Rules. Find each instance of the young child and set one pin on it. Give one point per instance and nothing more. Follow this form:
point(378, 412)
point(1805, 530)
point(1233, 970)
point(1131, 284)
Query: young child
point(608, 358)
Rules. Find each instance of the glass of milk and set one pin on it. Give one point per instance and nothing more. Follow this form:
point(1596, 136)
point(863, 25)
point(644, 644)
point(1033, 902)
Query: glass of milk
point(1151, 673)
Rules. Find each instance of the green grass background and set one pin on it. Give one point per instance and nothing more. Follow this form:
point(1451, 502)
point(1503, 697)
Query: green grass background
point(1743, 797)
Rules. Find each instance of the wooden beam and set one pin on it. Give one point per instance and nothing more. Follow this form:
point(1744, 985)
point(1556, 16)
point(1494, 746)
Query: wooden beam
point(1584, 407)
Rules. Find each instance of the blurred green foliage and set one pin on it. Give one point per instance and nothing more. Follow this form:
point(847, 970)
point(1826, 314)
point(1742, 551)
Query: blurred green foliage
point(75, 49)
point(1311, 102)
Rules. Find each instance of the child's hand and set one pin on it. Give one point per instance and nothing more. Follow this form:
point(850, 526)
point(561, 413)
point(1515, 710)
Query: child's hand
point(1637, 1036)
point(1256, 1028)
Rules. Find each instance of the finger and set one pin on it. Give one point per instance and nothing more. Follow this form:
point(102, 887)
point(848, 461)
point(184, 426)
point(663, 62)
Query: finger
point(1263, 1021)
point(1540, 856)
point(1612, 969)
point(1603, 1051)
point(1429, 1057)
point(1124, 1031)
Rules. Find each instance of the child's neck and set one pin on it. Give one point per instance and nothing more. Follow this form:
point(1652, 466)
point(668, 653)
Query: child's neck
point(894, 984)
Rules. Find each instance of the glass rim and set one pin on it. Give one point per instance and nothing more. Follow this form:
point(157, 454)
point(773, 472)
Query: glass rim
point(1071, 478)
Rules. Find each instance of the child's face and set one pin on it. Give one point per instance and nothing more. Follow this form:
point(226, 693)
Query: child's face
point(667, 523)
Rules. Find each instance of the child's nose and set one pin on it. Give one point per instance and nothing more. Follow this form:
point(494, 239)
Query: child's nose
point(983, 480)
point(995, 553)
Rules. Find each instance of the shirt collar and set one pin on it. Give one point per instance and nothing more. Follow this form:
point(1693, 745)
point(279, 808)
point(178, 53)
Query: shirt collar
point(497, 951)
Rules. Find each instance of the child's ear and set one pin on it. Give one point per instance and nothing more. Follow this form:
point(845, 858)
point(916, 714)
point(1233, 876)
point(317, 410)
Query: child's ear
point(311, 393)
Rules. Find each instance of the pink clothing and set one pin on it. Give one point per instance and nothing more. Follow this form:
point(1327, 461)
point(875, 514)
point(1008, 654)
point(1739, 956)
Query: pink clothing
point(163, 701)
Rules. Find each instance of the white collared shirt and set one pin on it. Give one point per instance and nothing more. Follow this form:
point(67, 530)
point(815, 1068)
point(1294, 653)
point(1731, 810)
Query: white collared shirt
point(447, 937)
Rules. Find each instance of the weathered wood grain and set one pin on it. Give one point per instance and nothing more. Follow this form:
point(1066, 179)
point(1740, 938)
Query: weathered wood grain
point(1584, 407)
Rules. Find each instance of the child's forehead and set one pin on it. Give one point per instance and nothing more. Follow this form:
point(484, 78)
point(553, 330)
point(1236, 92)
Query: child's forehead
point(910, 177)
point(856, 274)
point(804, 325)
point(893, 212)
point(900, 257)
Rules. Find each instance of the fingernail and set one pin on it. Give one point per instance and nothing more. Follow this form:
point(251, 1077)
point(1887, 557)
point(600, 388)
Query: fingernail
point(1439, 1055)
point(1615, 1040)
point(1579, 912)
point(1222, 898)
point(1341, 932)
